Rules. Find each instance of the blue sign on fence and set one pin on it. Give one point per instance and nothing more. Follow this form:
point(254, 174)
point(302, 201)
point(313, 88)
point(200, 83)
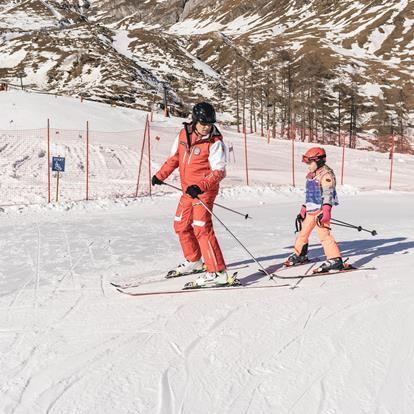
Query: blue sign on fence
point(58, 164)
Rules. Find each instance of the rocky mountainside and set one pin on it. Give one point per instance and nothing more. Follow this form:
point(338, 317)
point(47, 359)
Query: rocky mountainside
point(323, 65)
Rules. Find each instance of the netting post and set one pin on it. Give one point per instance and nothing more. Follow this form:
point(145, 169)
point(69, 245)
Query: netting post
point(87, 160)
point(149, 154)
point(293, 155)
point(343, 161)
point(245, 155)
point(57, 186)
point(142, 154)
point(392, 160)
point(48, 160)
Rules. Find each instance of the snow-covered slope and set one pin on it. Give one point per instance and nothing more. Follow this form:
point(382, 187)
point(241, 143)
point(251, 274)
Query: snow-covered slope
point(115, 140)
point(22, 110)
point(70, 343)
point(123, 51)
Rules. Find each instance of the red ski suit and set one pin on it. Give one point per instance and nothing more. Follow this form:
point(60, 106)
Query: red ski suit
point(201, 161)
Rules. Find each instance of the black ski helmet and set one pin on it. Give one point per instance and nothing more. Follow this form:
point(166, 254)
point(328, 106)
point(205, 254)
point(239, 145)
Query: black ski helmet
point(204, 112)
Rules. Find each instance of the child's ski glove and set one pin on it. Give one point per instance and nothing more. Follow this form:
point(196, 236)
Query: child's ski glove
point(302, 213)
point(325, 216)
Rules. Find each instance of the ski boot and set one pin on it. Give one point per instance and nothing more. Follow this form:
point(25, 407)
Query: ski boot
point(224, 279)
point(331, 265)
point(213, 279)
point(298, 259)
point(186, 268)
point(219, 278)
point(295, 260)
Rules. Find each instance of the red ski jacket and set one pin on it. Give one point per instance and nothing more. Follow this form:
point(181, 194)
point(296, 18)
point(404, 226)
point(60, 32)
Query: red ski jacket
point(201, 160)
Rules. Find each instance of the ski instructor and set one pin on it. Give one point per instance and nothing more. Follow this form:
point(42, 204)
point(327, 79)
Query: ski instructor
point(201, 156)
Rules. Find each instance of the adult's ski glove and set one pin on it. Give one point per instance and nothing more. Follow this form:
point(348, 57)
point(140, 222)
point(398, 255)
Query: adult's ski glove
point(194, 191)
point(156, 181)
point(325, 216)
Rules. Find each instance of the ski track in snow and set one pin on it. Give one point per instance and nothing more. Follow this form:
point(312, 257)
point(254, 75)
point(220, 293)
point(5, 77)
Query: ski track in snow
point(190, 349)
point(37, 281)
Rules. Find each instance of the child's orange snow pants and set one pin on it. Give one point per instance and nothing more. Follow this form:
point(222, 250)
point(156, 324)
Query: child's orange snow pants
point(329, 245)
point(194, 227)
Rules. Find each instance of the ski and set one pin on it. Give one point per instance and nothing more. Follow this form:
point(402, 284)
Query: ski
point(173, 273)
point(124, 285)
point(135, 284)
point(281, 266)
point(203, 289)
point(233, 282)
point(353, 269)
point(299, 281)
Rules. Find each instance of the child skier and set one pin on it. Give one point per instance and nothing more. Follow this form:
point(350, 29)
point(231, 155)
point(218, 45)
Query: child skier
point(201, 156)
point(316, 212)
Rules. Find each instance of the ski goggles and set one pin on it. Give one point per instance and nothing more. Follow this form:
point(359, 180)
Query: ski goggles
point(205, 123)
point(308, 160)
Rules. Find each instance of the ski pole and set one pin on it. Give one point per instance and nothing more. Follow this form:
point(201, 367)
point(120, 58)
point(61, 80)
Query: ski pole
point(352, 226)
point(246, 216)
point(238, 241)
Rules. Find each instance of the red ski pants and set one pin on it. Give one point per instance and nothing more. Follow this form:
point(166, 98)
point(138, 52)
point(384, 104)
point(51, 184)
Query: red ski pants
point(194, 227)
